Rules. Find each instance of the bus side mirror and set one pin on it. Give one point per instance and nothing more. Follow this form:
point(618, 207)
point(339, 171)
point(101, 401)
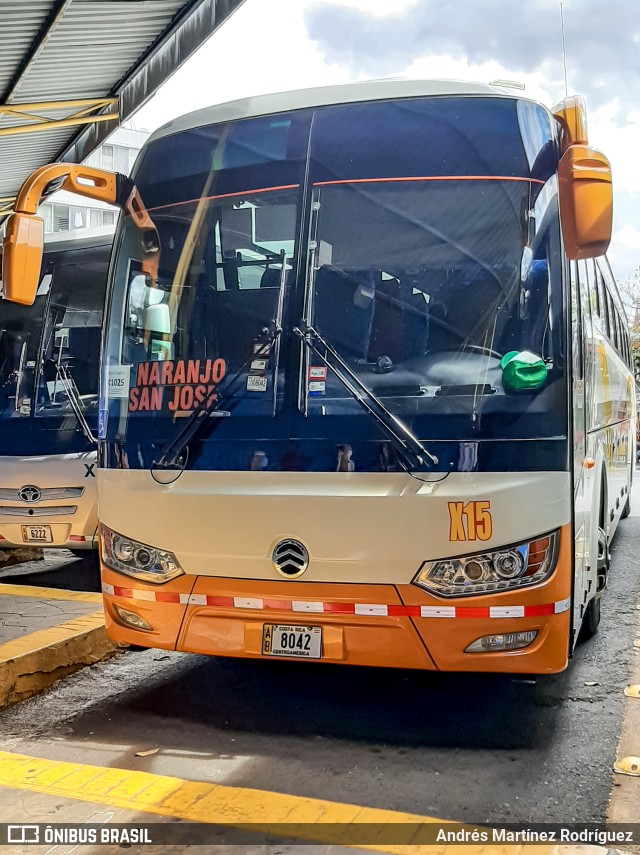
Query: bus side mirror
point(22, 258)
point(157, 329)
point(586, 201)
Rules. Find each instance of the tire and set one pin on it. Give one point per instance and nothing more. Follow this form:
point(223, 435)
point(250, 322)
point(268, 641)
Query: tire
point(627, 509)
point(592, 615)
point(591, 619)
point(603, 561)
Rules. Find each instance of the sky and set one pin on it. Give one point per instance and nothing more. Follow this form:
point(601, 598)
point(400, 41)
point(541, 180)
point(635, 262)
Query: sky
point(272, 45)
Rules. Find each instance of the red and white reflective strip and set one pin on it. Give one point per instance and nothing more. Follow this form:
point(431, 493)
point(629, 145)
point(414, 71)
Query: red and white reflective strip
point(80, 538)
point(319, 607)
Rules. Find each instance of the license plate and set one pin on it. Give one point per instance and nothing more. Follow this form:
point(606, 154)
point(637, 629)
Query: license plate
point(37, 534)
point(299, 642)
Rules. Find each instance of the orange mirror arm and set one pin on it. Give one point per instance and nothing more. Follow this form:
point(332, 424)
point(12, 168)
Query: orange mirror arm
point(94, 184)
point(83, 180)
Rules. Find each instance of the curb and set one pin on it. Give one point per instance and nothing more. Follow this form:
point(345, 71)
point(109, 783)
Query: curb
point(30, 664)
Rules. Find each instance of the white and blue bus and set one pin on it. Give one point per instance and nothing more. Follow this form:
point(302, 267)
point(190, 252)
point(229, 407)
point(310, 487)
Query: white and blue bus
point(49, 357)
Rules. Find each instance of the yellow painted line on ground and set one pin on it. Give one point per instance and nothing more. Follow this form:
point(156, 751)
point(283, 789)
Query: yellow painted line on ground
point(48, 593)
point(53, 635)
point(306, 818)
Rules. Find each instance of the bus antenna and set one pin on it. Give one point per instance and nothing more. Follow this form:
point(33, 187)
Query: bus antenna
point(564, 51)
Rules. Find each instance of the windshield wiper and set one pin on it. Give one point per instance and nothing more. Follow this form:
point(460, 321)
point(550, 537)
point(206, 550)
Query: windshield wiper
point(62, 373)
point(211, 407)
point(411, 452)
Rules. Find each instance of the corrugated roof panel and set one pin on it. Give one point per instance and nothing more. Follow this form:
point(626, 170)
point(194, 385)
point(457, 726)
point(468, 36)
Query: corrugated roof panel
point(74, 49)
point(21, 23)
point(93, 46)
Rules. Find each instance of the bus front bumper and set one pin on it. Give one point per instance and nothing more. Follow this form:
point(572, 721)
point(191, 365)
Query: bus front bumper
point(376, 625)
point(46, 532)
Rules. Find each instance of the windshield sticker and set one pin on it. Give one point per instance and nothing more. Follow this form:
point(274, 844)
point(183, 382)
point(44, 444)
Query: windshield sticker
point(316, 387)
point(118, 380)
point(103, 417)
point(178, 386)
point(317, 372)
point(325, 253)
point(259, 364)
point(256, 384)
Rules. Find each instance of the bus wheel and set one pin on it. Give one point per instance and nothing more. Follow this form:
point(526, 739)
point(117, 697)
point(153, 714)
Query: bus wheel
point(627, 509)
point(604, 560)
point(591, 619)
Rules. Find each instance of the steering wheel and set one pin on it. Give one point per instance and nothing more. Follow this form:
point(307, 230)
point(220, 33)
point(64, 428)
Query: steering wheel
point(482, 349)
point(477, 347)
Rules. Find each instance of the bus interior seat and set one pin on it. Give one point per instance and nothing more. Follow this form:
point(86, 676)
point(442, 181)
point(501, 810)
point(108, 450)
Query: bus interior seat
point(344, 308)
point(235, 319)
point(459, 298)
point(84, 347)
point(400, 326)
point(536, 288)
point(270, 278)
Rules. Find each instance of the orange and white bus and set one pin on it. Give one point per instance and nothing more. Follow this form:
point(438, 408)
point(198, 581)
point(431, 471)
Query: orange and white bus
point(366, 392)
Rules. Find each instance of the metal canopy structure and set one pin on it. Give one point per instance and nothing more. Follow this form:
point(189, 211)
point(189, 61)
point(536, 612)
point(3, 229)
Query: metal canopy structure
point(72, 70)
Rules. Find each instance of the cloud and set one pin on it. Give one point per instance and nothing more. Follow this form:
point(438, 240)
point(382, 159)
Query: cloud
point(602, 40)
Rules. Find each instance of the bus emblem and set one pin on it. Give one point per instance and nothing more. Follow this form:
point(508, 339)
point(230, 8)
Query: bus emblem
point(30, 493)
point(290, 558)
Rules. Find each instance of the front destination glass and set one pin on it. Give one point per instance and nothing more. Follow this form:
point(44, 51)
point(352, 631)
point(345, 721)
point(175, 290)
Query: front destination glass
point(420, 238)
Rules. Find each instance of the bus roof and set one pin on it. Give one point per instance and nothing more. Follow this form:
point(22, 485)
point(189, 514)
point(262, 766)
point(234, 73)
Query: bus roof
point(346, 93)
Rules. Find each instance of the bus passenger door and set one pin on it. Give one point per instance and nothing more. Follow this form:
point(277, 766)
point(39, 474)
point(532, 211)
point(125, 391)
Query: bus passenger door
point(579, 323)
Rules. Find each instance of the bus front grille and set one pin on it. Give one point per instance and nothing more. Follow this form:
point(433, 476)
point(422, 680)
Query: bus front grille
point(21, 511)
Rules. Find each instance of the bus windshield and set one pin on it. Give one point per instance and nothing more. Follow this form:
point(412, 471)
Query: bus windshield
point(420, 239)
point(49, 352)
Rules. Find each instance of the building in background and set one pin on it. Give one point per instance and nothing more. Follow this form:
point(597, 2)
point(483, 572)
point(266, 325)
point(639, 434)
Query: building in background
point(66, 212)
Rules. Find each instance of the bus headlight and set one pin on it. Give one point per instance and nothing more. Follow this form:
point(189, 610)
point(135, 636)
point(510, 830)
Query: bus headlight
point(491, 572)
point(137, 559)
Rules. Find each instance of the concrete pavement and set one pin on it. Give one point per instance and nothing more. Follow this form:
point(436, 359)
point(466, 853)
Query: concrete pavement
point(46, 634)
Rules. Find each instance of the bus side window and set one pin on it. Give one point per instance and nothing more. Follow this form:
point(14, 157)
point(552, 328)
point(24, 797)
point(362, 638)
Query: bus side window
point(594, 292)
point(604, 313)
point(608, 317)
point(627, 345)
point(585, 281)
point(613, 321)
point(576, 322)
point(620, 336)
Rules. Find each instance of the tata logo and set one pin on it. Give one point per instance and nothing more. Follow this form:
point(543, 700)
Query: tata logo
point(30, 493)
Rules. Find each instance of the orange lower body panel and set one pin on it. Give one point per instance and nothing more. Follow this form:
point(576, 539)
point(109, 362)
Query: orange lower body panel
point(447, 640)
point(357, 639)
point(379, 625)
